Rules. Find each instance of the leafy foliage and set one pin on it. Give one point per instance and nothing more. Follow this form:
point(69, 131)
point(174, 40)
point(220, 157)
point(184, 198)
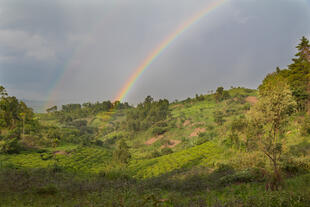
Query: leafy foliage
point(219, 117)
point(148, 113)
point(16, 121)
point(122, 154)
point(298, 74)
point(221, 95)
point(269, 117)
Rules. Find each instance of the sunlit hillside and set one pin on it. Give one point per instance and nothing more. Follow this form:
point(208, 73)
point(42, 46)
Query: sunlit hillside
point(138, 103)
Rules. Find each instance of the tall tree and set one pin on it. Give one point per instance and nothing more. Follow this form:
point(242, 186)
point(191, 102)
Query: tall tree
point(15, 117)
point(219, 93)
point(3, 91)
point(299, 75)
point(269, 117)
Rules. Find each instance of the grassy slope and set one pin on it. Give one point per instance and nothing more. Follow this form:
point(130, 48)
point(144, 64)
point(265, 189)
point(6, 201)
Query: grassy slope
point(187, 155)
point(93, 159)
point(188, 117)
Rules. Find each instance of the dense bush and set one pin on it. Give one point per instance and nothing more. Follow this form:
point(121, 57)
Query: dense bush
point(301, 149)
point(9, 146)
point(245, 195)
point(305, 126)
point(244, 176)
point(79, 123)
point(46, 156)
point(121, 153)
point(47, 190)
point(166, 151)
point(148, 113)
point(158, 130)
point(221, 95)
point(219, 117)
point(223, 170)
point(155, 154)
point(294, 166)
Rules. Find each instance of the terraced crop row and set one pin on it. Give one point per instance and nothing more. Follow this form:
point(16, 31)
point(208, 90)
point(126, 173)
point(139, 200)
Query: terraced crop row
point(83, 159)
point(88, 159)
point(205, 154)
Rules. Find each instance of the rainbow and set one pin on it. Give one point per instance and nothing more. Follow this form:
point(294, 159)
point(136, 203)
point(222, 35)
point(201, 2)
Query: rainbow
point(162, 46)
point(69, 66)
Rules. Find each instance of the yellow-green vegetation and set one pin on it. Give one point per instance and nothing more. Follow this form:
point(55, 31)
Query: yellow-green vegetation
point(75, 159)
point(236, 147)
point(207, 154)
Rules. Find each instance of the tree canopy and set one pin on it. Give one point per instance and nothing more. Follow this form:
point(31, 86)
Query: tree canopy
point(298, 75)
point(267, 119)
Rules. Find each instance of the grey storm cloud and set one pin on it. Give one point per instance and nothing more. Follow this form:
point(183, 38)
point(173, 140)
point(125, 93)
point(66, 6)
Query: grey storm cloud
point(87, 50)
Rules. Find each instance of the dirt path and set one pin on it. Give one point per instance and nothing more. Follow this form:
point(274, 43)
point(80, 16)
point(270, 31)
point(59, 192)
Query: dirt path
point(186, 123)
point(153, 140)
point(196, 132)
point(177, 106)
point(172, 144)
point(60, 153)
point(251, 99)
point(198, 123)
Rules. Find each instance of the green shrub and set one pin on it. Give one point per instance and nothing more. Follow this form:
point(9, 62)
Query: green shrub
point(246, 107)
point(46, 156)
point(161, 124)
point(41, 150)
point(243, 196)
point(218, 117)
point(47, 190)
point(9, 146)
point(238, 124)
point(211, 135)
point(293, 166)
point(56, 168)
point(111, 138)
point(159, 130)
point(172, 123)
point(155, 154)
point(121, 153)
point(210, 127)
point(301, 149)
point(98, 142)
point(244, 176)
point(221, 171)
point(305, 126)
point(202, 134)
point(230, 111)
point(166, 151)
point(79, 123)
point(200, 141)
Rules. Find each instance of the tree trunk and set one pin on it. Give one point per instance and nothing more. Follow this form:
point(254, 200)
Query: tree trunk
point(276, 179)
point(308, 99)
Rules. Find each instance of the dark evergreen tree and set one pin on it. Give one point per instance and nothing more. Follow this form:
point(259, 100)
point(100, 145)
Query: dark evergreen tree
point(299, 74)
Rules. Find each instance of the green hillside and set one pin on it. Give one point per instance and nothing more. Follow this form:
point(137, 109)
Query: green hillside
point(235, 147)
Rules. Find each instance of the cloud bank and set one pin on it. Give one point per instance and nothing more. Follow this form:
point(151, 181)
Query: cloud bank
point(75, 51)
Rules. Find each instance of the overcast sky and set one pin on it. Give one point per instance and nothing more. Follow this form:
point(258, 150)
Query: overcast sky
point(85, 50)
